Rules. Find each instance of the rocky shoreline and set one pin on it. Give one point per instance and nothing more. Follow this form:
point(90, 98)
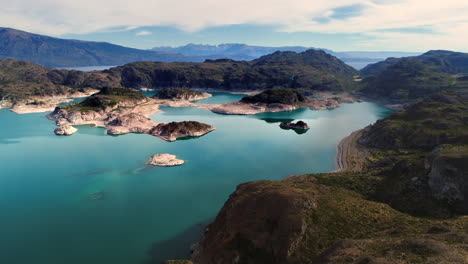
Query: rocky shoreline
point(41, 104)
point(349, 156)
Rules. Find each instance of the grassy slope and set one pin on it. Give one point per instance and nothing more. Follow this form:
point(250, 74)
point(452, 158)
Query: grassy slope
point(412, 78)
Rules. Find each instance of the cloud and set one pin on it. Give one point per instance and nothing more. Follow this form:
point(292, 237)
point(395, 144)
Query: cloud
point(375, 19)
point(143, 33)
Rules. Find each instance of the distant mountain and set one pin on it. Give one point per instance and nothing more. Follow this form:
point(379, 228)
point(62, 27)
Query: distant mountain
point(228, 51)
point(357, 59)
point(312, 69)
point(55, 52)
point(416, 77)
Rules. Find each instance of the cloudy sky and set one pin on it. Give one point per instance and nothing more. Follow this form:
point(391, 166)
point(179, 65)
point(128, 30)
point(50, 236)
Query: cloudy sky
point(405, 25)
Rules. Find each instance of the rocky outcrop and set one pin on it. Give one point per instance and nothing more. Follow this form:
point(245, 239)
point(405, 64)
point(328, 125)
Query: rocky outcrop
point(299, 125)
point(129, 123)
point(65, 130)
point(448, 175)
point(181, 94)
point(268, 230)
point(165, 160)
point(176, 130)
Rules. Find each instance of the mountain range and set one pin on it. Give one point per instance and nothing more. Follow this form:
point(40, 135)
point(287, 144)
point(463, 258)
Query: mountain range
point(56, 52)
point(236, 51)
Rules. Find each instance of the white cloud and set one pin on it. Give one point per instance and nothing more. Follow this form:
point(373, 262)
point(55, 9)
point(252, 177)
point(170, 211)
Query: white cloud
point(143, 33)
point(447, 19)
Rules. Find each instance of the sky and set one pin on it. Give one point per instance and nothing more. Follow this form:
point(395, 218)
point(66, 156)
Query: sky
point(340, 25)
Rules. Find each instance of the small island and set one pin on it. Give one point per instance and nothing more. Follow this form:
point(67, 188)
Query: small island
point(274, 100)
point(178, 130)
point(299, 125)
point(165, 160)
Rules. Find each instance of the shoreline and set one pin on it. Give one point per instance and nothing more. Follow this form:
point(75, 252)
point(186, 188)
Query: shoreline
point(349, 156)
point(210, 90)
point(41, 104)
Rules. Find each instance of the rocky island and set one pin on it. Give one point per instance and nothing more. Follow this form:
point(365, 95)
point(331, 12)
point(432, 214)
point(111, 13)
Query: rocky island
point(299, 125)
point(273, 100)
point(165, 160)
point(178, 130)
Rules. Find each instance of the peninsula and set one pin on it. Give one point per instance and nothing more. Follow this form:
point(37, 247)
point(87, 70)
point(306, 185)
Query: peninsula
point(123, 111)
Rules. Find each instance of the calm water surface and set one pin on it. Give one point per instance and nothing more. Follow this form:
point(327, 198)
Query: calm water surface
point(87, 68)
point(146, 215)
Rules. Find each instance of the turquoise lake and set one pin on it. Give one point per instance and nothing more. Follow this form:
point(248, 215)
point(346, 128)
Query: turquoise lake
point(147, 214)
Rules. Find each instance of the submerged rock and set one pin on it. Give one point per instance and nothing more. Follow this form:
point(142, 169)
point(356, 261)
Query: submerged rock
point(97, 196)
point(165, 160)
point(65, 130)
point(300, 125)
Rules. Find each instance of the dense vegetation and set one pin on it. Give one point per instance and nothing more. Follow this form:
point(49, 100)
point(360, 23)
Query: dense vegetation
point(311, 69)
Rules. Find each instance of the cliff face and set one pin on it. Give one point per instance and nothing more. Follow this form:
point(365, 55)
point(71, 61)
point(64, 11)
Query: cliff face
point(407, 203)
point(243, 232)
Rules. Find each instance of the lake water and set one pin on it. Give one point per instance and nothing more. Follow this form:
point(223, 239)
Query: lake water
point(88, 68)
point(146, 214)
